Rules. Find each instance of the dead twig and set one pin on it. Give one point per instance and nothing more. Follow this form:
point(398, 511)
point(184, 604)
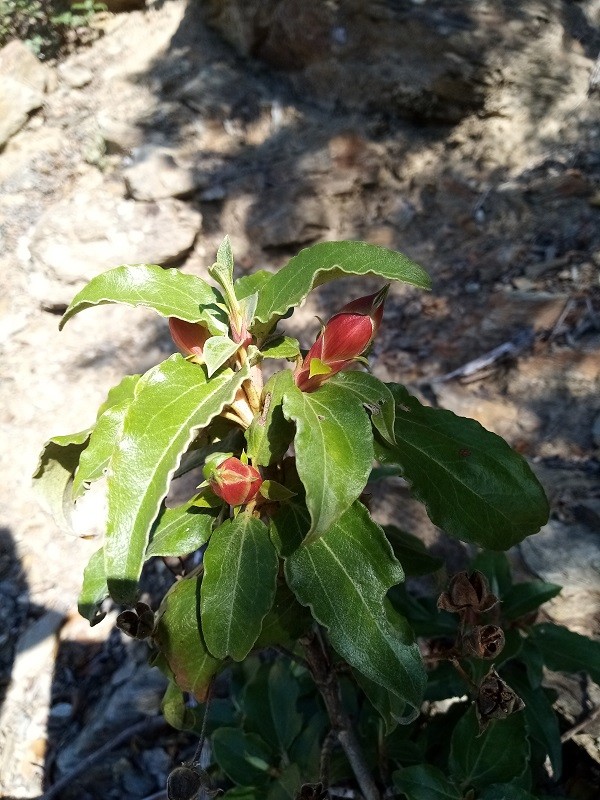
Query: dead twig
point(579, 726)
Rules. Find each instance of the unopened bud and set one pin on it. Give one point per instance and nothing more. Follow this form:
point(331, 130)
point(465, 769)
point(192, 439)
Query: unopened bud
point(344, 338)
point(190, 337)
point(235, 482)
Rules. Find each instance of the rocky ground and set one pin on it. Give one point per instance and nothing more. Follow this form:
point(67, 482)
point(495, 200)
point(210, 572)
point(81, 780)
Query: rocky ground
point(157, 140)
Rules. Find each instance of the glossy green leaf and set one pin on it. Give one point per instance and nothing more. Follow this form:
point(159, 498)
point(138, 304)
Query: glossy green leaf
point(170, 292)
point(244, 757)
point(94, 589)
point(285, 621)
point(287, 784)
point(344, 577)
point(496, 568)
point(250, 284)
point(240, 573)
point(425, 782)
point(254, 704)
point(497, 755)
point(172, 401)
point(283, 697)
point(105, 435)
point(388, 705)
point(523, 598)
point(374, 395)
point(411, 552)
point(505, 791)
point(217, 351)
point(281, 347)
point(542, 722)
point(566, 651)
point(424, 615)
point(471, 482)
point(334, 450)
point(325, 262)
point(270, 434)
point(178, 636)
point(179, 531)
point(53, 477)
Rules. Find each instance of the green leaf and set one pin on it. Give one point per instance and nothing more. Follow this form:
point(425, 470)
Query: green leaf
point(542, 723)
point(251, 284)
point(496, 568)
point(285, 621)
point(344, 577)
point(172, 401)
point(94, 589)
point(179, 531)
point(375, 395)
point(523, 598)
point(566, 651)
point(287, 785)
point(411, 552)
point(270, 434)
point(105, 435)
point(179, 638)
point(283, 699)
point(505, 791)
point(424, 782)
point(225, 256)
point(325, 262)
point(244, 757)
point(471, 482)
point(281, 347)
point(217, 351)
point(240, 573)
point(168, 291)
point(53, 477)
point(388, 705)
point(334, 450)
point(497, 755)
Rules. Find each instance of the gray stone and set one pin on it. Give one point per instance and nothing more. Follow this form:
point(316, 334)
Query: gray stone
point(23, 80)
point(596, 431)
point(566, 554)
point(93, 230)
point(155, 174)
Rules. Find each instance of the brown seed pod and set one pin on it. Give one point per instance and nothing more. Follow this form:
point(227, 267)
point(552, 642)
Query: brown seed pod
point(495, 700)
point(467, 592)
point(312, 791)
point(137, 622)
point(186, 781)
point(484, 641)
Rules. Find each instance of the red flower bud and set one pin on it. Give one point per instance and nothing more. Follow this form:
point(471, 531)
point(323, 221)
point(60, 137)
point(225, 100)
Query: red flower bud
point(345, 337)
point(234, 482)
point(190, 337)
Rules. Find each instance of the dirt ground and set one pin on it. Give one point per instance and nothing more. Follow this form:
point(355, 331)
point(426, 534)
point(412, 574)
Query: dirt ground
point(153, 143)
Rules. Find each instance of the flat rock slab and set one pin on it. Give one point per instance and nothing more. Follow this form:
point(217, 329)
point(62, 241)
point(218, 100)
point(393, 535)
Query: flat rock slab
point(93, 230)
point(23, 81)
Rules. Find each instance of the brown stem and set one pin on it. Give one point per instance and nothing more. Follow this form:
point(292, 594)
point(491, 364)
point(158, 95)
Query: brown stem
point(326, 681)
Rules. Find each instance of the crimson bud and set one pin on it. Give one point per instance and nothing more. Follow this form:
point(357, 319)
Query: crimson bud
point(344, 338)
point(190, 337)
point(235, 482)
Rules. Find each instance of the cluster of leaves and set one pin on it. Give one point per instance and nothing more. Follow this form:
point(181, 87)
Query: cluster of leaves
point(48, 26)
point(303, 558)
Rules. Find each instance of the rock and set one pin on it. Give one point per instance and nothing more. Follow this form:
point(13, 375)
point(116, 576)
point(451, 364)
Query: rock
point(23, 80)
point(155, 174)
point(93, 230)
point(437, 61)
point(75, 75)
point(566, 554)
point(596, 431)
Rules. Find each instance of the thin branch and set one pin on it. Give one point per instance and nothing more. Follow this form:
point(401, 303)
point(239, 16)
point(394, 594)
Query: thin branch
point(325, 761)
point(327, 683)
point(145, 727)
point(579, 726)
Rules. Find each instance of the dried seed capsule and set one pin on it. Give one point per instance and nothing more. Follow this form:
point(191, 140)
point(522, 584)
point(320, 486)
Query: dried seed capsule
point(467, 592)
point(484, 641)
point(185, 782)
point(495, 700)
